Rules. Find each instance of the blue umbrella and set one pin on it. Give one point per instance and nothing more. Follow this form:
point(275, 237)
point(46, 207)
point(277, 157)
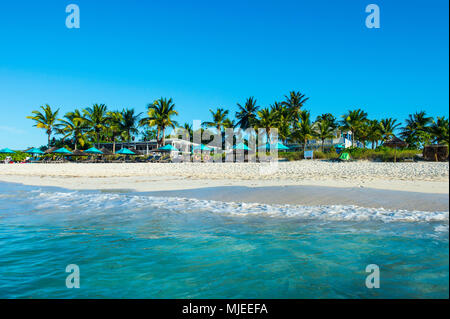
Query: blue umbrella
point(125, 151)
point(169, 148)
point(7, 151)
point(93, 150)
point(241, 146)
point(202, 147)
point(62, 150)
point(278, 146)
point(34, 151)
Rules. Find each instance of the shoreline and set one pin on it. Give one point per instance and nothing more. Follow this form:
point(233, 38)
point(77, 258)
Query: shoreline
point(263, 192)
point(410, 186)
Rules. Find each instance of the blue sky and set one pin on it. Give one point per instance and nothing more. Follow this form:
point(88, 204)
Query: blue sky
point(208, 54)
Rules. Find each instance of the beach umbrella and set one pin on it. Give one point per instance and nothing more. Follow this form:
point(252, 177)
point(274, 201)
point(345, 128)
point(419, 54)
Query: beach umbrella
point(135, 151)
point(394, 143)
point(202, 147)
point(34, 151)
point(168, 148)
point(106, 151)
point(78, 153)
point(7, 151)
point(241, 146)
point(93, 150)
point(63, 151)
point(50, 150)
point(278, 146)
point(125, 151)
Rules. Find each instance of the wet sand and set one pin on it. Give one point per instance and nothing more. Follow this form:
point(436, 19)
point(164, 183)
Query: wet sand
point(317, 195)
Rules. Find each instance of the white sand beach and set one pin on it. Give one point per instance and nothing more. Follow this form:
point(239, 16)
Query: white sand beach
point(414, 178)
point(424, 177)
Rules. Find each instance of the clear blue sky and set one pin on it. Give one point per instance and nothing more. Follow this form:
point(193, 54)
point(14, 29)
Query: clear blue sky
point(206, 54)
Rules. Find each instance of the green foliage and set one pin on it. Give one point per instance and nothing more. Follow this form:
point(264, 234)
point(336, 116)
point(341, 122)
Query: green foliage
point(382, 154)
point(16, 157)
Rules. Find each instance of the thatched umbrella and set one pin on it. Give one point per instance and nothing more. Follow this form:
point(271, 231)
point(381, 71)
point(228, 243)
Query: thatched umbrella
point(50, 150)
point(394, 143)
point(79, 153)
point(435, 152)
point(135, 151)
point(106, 151)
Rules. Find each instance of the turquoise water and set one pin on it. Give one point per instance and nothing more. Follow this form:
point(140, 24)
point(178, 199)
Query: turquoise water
point(135, 246)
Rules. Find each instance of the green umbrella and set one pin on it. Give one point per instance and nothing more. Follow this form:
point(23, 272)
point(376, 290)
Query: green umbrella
point(278, 146)
point(62, 150)
point(202, 147)
point(125, 151)
point(93, 150)
point(7, 151)
point(34, 151)
point(241, 146)
point(344, 157)
point(169, 148)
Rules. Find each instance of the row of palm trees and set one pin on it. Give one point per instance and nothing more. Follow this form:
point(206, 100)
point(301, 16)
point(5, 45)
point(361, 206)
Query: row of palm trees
point(293, 123)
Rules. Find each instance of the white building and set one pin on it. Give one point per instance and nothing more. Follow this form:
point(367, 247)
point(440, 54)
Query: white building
point(341, 140)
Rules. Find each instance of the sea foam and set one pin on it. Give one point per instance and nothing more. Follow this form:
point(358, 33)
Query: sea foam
point(93, 201)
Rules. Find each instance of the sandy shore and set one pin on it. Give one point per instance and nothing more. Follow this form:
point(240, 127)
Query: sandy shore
point(302, 182)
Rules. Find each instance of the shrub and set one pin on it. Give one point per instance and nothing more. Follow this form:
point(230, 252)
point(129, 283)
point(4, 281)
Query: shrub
point(16, 157)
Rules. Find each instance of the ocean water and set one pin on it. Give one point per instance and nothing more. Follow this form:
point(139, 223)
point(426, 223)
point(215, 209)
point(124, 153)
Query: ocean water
point(135, 246)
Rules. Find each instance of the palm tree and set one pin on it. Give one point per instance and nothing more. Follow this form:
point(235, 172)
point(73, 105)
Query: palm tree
point(220, 117)
point(246, 115)
point(45, 120)
point(294, 102)
point(325, 128)
point(97, 119)
point(188, 128)
point(352, 121)
point(374, 132)
point(416, 131)
point(267, 120)
point(328, 117)
point(304, 131)
point(149, 134)
point(282, 119)
point(73, 124)
point(129, 123)
point(387, 127)
point(440, 131)
point(160, 114)
point(115, 119)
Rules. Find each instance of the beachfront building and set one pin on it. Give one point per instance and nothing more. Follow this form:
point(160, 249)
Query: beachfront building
point(341, 140)
point(147, 147)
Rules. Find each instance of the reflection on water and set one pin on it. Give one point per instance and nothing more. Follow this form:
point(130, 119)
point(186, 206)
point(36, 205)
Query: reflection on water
point(130, 246)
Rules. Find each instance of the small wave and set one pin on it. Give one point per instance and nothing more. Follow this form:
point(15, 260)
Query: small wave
point(103, 201)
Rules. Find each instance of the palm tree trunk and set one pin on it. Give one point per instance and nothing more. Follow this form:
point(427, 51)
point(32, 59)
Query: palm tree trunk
point(114, 144)
point(322, 145)
point(158, 138)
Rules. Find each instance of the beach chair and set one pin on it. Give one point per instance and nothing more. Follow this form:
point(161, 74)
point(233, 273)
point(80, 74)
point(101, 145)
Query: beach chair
point(156, 158)
point(165, 159)
point(308, 154)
